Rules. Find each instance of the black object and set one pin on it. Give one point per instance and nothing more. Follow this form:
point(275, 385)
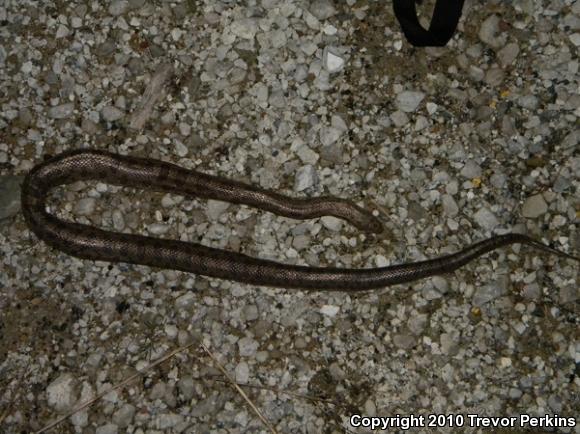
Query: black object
point(443, 23)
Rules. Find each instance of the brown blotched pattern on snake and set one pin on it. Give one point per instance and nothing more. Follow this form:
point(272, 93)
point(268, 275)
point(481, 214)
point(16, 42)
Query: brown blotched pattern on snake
point(93, 243)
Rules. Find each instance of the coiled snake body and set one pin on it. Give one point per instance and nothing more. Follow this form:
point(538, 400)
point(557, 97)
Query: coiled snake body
point(93, 243)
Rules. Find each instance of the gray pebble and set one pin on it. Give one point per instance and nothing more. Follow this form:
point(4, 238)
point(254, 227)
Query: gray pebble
point(450, 207)
point(307, 155)
point(514, 393)
point(111, 113)
point(471, 170)
point(247, 346)
point(561, 184)
point(322, 9)
point(61, 111)
point(486, 219)
point(118, 220)
point(331, 223)
point(329, 135)
point(63, 393)
point(534, 206)
point(490, 292)
point(408, 101)
point(508, 54)
point(124, 416)
point(215, 208)
point(554, 401)
point(166, 421)
point(476, 73)
point(245, 28)
point(447, 343)
point(250, 312)
point(158, 228)
point(109, 428)
point(333, 153)
point(569, 294)
point(333, 62)
point(186, 301)
point(532, 291)
point(186, 387)
point(242, 372)
point(490, 34)
point(306, 177)
point(9, 195)
point(417, 323)
point(300, 242)
point(118, 7)
point(158, 390)
point(529, 102)
point(404, 341)
point(399, 118)
point(498, 180)
point(85, 206)
point(494, 77)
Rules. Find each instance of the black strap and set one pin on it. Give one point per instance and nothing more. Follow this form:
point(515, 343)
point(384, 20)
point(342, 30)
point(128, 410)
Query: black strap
point(443, 24)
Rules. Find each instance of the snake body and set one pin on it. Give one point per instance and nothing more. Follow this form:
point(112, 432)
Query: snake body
point(93, 243)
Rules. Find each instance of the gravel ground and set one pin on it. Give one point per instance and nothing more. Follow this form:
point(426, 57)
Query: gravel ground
point(451, 145)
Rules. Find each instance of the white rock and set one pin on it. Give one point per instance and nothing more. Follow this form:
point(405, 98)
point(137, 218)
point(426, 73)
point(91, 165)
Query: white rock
point(431, 108)
point(176, 34)
point(26, 67)
point(63, 393)
point(575, 39)
point(381, 261)
point(329, 310)
point(306, 177)
point(332, 62)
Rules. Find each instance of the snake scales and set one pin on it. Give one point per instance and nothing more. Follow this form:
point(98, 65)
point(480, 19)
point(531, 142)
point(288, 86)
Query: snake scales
point(92, 243)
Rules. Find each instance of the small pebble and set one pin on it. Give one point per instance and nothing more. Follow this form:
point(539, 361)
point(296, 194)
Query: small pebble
point(408, 101)
point(61, 111)
point(534, 207)
point(306, 177)
point(63, 393)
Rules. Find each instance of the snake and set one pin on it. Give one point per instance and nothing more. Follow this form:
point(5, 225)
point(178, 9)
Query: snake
point(93, 243)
